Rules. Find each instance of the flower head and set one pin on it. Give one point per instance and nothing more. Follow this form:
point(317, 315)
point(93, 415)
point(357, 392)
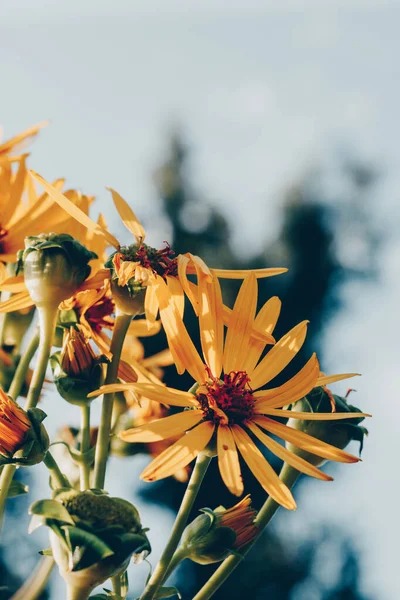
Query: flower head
point(226, 412)
point(215, 534)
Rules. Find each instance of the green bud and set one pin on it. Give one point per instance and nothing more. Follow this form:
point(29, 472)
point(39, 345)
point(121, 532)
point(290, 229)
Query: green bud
point(216, 534)
point(336, 433)
point(24, 440)
point(54, 266)
point(77, 370)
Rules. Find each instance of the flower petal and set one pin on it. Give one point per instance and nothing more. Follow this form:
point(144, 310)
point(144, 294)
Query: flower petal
point(13, 284)
point(281, 452)
point(151, 301)
point(311, 416)
point(163, 429)
point(74, 211)
point(179, 454)
point(189, 288)
point(295, 388)
point(265, 323)
point(128, 217)
point(16, 302)
point(326, 379)
point(240, 325)
point(243, 273)
point(261, 469)
point(179, 341)
point(305, 441)
point(177, 294)
point(159, 393)
point(19, 141)
point(279, 356)
point(228, 461)
point(211, 322)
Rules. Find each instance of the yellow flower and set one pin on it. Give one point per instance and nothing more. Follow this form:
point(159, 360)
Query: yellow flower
point(14, 424)
point(136, 268)
point(227, 407)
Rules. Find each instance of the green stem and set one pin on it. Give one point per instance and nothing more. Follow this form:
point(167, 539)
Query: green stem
point(77, 593)
point(116, 585)
point(35, 584)
point(58, 478)
point(121, 326)
point(178, 557)
point(85, 447)
point(289, 476)
point(47, 324)
point(192, 489)
point(7, 474)
point(23, 366)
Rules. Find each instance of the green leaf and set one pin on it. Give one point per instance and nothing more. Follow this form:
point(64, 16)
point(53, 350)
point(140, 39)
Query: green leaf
point(51, 509)
point(167, 592)
point(16, 489)
point(87, 548)
point(47, 552)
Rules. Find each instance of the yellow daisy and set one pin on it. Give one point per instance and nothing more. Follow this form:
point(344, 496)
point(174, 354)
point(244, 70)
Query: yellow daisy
point(137, 268)
point(227, 411)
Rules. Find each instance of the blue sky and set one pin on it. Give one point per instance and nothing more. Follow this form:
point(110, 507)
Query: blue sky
point(264, 90)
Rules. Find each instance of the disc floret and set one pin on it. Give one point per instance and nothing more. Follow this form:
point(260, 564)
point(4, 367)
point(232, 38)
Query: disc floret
point(228, 400)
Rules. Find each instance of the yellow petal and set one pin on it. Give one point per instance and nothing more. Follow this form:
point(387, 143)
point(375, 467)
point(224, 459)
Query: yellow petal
point(179, 454)
point(281, 452)
point(243, 273)
point(151, 301)
point(143, 328)
point(126, 373)
point(295, 388)
point(179, 341)
point(159, 393)
point(262, 470)
point(189, 289)
point(304, 441)
point(279, 356)
point(228, 461)
point(263, 336)
point(95, 281)
point(13, 284)
point(74, 211)
point(264, 323)
point(326, 379)
point(161, 359)
point(240, 325)
point(16, 302)
point(211, 322)
point(18, 141)
point(128, 217)
point(163, 429)
point(311, 416)
point(177, 294)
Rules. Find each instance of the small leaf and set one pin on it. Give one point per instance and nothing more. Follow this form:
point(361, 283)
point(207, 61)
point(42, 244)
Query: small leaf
point(47, 552)
point(167, 592)
point(37, 414)
point(16, 489)
point(87, 547)
point(51, 509)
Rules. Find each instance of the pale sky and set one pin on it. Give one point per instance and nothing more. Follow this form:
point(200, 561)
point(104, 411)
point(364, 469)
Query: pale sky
point(264, 89)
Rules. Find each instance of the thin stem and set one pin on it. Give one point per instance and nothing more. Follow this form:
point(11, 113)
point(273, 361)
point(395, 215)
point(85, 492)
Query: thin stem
point(85, 447)
point(23, 366)
point(178, 557)
point(192, 489)
point(116, 585)
point(77, 593)
point(121, 326)
point(47, 323)
point(57, 477)
point(5, 481)
point(289, 476)
point(35, 584)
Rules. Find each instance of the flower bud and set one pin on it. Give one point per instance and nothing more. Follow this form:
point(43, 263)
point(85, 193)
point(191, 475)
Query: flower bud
point(336, 433)
point(215, 534)
point(93, 536)
point(54, 267)
point(77, 370)
point(23, 439)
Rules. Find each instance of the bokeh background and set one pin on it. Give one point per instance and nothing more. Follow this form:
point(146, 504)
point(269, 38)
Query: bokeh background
point(254, 133)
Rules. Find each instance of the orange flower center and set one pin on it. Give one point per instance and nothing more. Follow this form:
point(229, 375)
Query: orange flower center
point(162, 262)
point(229, 399)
